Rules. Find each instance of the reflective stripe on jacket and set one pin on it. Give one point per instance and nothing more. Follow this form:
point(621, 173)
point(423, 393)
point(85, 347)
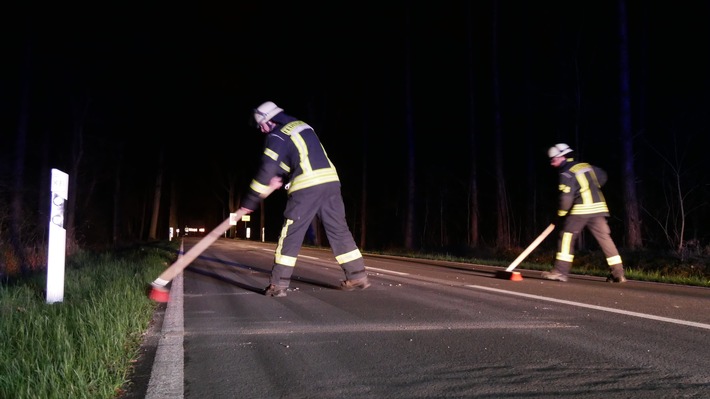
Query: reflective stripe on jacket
point(295, 153)
point(580, 189)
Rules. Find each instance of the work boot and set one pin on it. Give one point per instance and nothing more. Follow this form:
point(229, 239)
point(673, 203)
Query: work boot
point(554, 275)
point(275, 291)
point(616, 275)
point(349, 285)
point(612, 279)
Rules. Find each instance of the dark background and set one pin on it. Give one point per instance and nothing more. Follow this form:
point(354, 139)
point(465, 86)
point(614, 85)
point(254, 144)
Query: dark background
point(139, 78)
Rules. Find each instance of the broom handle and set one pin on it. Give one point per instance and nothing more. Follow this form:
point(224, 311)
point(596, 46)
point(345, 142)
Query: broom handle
point(182, 262)
point(531, 247)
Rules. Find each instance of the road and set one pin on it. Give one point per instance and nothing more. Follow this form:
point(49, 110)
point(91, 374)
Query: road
point(424, 329)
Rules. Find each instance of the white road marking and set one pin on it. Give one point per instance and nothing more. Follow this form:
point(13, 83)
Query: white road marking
point(386, 271)
point(602, 308)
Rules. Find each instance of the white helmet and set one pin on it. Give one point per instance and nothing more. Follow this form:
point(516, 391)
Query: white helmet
point(558, 150)
point(265, 112)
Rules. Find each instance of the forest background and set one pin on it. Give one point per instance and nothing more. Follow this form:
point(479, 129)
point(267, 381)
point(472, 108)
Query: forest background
point(438, 118)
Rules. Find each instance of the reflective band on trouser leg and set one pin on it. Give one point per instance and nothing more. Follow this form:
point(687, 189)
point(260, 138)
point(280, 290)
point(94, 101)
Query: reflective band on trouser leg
point(285, 260)
point(616, 266)
point(566, 243)
point(289, 243)
point(614, 260)
point(566, 251)
point(565, 256)
point(283, 264)
point(353, 265)
point(349, 257)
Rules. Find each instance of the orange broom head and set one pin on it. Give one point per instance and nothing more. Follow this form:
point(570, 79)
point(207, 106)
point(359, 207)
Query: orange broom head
point(159, 294)
point(512, 276)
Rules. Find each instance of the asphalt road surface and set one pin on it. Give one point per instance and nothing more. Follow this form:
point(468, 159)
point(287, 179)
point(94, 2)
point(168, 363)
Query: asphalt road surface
point(424, 329)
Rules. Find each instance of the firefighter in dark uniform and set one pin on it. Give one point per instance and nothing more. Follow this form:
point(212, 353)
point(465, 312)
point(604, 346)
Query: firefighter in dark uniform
point(581, 205)
point(294, 153)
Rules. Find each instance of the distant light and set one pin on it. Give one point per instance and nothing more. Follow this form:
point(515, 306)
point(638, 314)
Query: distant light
point(199, 230)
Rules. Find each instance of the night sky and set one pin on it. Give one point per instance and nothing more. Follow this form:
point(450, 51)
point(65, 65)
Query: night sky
point(185, 77)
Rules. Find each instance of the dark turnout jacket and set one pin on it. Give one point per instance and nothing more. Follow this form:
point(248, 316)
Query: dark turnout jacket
point(581, 189)
point(294, 152)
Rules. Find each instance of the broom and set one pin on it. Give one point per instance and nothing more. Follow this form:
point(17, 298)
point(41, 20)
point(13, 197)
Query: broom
point(159, 292)
point(508, 273)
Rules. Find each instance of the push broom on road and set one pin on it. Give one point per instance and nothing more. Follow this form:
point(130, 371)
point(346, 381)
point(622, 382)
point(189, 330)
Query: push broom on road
point(159, 291)
point(508, 273)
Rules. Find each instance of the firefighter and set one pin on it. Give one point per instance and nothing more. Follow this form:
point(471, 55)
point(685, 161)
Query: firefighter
point(581, 204)
point(294, 154)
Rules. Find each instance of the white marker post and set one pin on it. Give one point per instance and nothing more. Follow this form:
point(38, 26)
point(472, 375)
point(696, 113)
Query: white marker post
point(246, 219)
point(56, 252)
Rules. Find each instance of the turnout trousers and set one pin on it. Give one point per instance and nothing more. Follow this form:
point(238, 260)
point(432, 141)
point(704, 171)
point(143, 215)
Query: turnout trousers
point(326, 202)
point(599, 228)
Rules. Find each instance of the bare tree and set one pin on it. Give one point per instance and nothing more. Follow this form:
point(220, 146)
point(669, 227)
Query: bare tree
point(17, 201)
point(117, 195)
point(80, 110)
point(153, 232)
point(672, 218)
point(473, 211)
point(633, 217)
point(228, 184)
point(503, 216)
point(410, 220)
point(363, 197)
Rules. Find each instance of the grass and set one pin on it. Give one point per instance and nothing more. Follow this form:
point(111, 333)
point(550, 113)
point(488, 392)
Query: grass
point(82, 347)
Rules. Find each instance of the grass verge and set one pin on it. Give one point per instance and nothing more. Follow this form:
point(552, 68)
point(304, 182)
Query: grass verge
point(82, 347)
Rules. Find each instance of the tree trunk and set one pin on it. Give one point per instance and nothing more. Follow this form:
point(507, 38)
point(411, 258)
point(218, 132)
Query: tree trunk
point(409, 227)
point(503, 217)
point(116, 231)
point(173, 213)
point(363, 197)
point(17, 201)
point(473, 211)
point(153, 232)
point(80, 109)
point(633, 219)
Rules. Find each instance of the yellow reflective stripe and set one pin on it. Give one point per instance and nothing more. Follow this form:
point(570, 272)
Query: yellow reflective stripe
point(285, 167)
point(614, 260)
point(284, 260)
point(348, 257)
point(294, 127)
point(581, 167)
point(584, 190)
point(271, 153)
point(313, 178)
point(566, 243)
point(564, 188)
point(258, 187)
point(293, 130)
point(278, 257)
point(302, 152)
point(564, 257)
point(586, 209)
